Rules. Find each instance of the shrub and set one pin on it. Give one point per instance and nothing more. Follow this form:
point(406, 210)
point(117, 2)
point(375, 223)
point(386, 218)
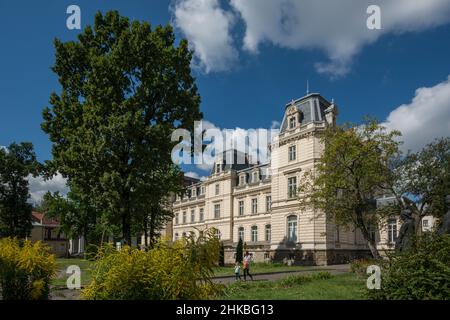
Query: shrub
point(291, 281)
point(422, 273)
point(25, 270)
point(360, 266)
point(240, 251)
point(222, 255)
point(91, 252)
point(179, 270)
point(322, 275)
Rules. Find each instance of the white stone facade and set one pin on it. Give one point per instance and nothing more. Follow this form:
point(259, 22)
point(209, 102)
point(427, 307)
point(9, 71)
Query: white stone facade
point(255, 202)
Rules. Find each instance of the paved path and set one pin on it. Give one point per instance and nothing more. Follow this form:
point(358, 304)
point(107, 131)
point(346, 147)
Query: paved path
point(333, 269)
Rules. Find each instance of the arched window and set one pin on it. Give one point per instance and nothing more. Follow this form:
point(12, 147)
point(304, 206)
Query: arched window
point(241, 233)
point(268, 232)
point(254, 234)
point(292, 228)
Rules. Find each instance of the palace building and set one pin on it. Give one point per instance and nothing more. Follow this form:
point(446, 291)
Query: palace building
point(258, 203)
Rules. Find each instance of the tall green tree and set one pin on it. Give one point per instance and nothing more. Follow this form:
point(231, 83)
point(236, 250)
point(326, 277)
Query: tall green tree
point(353, 170)
point(17, 163)
point(240, 251)
point(423, 180)
point(125, 87)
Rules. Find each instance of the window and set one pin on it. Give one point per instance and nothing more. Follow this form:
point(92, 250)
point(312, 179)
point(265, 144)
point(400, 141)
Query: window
point(292, 229)
point(194, 192)
point(198, 191)
point(292, 153)
point(338, 234)
point(392, 230)
point(254, 234)
point(255, 177)
point(218, 234)
point(268, 232)
point(292, 122)
point(241, 233)
point(177, 218)
point(176, 236)
point(203, 189)
point(292, 187)
point(425, 223)
point(254, 206)
point(202, 214)
point(217, 189)
point(216, 211)
point(192, 216)
point(241, 207)
point(242, 180)
point(268, 203)
point(184, 216)
point(218, 168)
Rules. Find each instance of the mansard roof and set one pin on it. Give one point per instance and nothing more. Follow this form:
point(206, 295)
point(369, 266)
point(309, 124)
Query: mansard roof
point(232, 159)
point(311, 107)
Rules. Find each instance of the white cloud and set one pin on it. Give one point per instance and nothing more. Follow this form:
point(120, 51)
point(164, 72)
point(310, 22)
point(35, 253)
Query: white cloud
point(208, 28)
point(253, 142)
point(425, 118)
point(338, 28)
point(39, 186)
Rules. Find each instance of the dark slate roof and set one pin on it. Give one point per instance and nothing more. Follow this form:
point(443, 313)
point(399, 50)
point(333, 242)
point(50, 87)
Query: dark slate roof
point(232, 159)
point(312, 108)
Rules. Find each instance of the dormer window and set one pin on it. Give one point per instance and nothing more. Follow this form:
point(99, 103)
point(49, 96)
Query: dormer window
point(292, 122)
point(255, 177)
point(242, 180)
point(218, 168)
point(194, 191)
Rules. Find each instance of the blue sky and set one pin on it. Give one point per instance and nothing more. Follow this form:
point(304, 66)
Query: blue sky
point(260, 69)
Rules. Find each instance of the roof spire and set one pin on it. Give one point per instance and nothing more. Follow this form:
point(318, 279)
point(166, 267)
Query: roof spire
point(307, 86)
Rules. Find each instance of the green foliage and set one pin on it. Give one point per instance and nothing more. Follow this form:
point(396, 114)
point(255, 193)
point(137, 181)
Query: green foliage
point(293, 280)
point(322, 275)
point(360, 266)
point(240, 251)
point(25, 270)
point(16, 164)
point(222, 255)
point(125, 87)
point(168, 271)
point(425, 177)
point(91, 252)
point(422, 273)
point(353, 169)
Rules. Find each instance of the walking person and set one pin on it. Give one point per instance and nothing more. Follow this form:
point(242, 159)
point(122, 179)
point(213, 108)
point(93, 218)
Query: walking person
point(237, 271)
point(247, 259)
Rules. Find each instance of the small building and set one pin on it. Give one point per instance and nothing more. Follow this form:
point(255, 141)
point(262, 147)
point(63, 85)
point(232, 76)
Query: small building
point(47, 231)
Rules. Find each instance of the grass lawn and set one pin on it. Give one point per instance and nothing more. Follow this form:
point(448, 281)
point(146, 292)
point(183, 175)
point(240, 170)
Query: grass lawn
point(258, 268)
point(346, 286)
point(61, 266)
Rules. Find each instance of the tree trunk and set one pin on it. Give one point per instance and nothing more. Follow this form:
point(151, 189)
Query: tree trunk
point(370, 242)
point(126, 228)
point(152, 227)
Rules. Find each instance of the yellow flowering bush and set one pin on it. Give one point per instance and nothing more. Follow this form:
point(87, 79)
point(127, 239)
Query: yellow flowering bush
point(169, 271)
point(25, 270)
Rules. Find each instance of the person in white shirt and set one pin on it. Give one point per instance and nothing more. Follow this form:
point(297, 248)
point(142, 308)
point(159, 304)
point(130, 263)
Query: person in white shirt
point(247, 259)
